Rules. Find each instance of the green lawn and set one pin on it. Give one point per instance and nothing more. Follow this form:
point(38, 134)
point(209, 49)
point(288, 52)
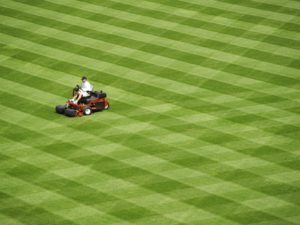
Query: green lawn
point(204, 125)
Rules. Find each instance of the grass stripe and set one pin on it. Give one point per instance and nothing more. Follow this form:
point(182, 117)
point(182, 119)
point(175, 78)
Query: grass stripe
point(174, 33)
point(117, 93)
point(251, 12)
point(18, 78)
point(192, 15)
point(159, 121)
point(68, 188)
point(88, 42)
point(232, 48)
point(98, 186)
point(287, 3)
point(174, 83)
point(214, 36)
point(219, 76)
point(23, 211)
point(231, 13)
point(51, 185)
point(265, 6)
point(204, 23)
point(45, 199)
point(181, 153)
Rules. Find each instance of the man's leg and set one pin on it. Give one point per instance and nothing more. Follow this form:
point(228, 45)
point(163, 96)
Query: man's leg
point(79, 96)
point(75, 96)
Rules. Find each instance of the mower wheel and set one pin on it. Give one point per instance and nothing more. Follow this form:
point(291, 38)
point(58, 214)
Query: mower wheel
point(60, 109)
point(87, 111)
point(70, 112)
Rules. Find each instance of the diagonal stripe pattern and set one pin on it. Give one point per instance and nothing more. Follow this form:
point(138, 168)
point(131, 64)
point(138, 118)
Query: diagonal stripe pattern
point(204, 120)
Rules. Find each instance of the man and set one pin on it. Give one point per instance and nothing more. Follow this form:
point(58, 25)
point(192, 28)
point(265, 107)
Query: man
point(86, 87)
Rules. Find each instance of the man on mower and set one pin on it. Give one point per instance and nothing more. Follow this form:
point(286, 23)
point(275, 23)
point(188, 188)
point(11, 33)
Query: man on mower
point(82, 91)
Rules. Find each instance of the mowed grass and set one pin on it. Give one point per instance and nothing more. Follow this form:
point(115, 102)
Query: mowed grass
point(204, 121)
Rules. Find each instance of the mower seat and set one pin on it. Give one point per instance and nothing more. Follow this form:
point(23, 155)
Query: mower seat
point(98, 94)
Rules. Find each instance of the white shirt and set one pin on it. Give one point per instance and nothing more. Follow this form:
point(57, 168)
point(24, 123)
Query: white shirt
point(86, 86)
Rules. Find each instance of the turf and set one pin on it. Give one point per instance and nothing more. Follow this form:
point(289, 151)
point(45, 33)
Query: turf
point(204, 121)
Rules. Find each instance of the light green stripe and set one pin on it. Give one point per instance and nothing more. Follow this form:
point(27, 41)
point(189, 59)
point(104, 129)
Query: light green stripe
point(15, 113)
point(162, 129)
point(121, 71)
point(152, 79)
point(42, 196)
point(121, 95)
point(17, 65)
point(245, 10)
point(48, 205)
point(25, 93)
point(164, 24)
point(242, 127)
point(139, 55)
point(205, 73)
point(227, 22)
point(86, 170)
point(209, 72)
point(69, 80)
point(139, 35)
point(208, 189)
point(7, 220)
point(285, 3)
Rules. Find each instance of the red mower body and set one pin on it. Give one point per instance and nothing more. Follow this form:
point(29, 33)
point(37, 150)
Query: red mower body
point(97, 101)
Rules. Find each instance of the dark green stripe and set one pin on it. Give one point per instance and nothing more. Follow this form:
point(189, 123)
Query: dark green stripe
point(166, 52)
point(265, 6)
point(230, 14)
point(109, 79)
point(256, 183)
point(203, 24)
point(75, 190)
point(29, 214)
point(173, 35)
point(150, 147)
point(223, 172)
point(168, 73)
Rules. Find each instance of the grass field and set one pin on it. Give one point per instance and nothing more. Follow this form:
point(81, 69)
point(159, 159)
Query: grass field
point(204, 122)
